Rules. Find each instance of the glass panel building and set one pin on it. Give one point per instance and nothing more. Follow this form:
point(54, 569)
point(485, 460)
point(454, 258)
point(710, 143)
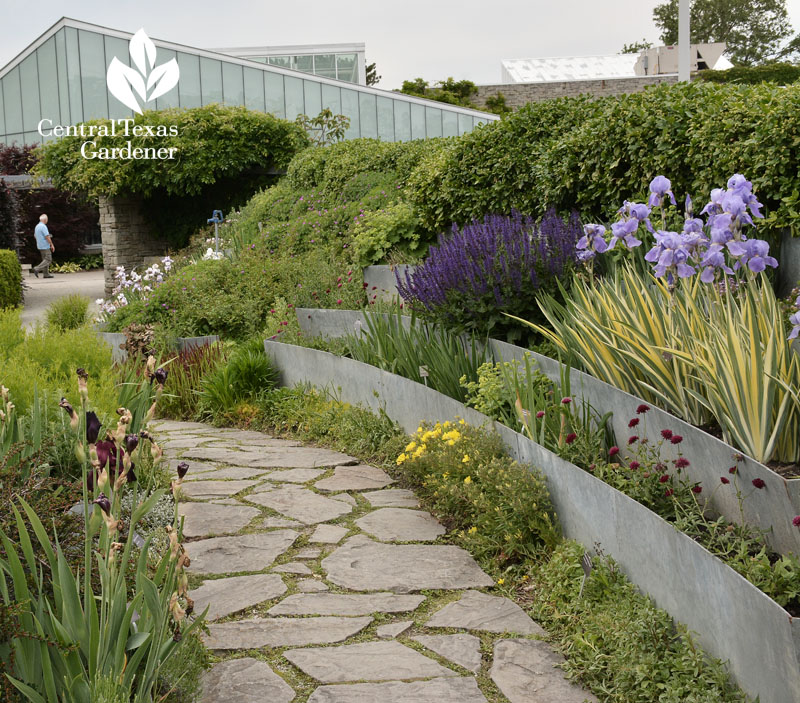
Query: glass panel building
point(61, 77)
point(345, 62)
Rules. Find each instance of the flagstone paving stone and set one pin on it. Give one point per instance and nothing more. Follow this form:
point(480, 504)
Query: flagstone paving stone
point(178, 426)
point(361, 564)
point(393, 629)
point(379, 577)
point(300, 503)
point(463, 649)
point(201, 490)
point(526, 670)
point(478, 611)
point(359, 477)
point(367, 661)
point(345, 604)
point(392, 498)
point(293, 567)
point(252, 552)
point(229, 595)
point(204, 519)
point(311, 586)
point(244, 681)
point(328, 534)
point(401, 525)
point(462, 690)
point(282, 632)
point(294, 475)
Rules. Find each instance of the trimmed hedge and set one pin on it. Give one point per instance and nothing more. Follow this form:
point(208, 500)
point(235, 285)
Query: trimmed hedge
point(588, 154)
point(780, 73)
point(10, 279)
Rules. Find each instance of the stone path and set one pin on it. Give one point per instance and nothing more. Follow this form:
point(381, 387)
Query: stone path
point(324, 583)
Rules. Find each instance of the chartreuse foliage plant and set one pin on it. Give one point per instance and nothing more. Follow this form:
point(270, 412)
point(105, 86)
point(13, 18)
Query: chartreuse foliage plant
point(211, 142)
point(10, 279)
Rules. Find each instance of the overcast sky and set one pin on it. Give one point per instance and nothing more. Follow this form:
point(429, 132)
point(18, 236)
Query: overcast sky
point(433, 39)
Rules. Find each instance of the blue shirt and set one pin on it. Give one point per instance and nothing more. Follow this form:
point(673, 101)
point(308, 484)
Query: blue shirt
point(41, 232)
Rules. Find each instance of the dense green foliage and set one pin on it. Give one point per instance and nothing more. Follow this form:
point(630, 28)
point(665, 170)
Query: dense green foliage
point(213, 143)
point(586, 153)
point(10, 279)
point(9, 215)
point(69, 312)
point(780, 73)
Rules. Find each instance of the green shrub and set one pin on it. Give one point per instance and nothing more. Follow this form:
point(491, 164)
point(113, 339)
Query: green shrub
point(780, 73)
point(186, 373)
point(394, 228)
point(247, 373)
point(10, 279)
point(68, 313)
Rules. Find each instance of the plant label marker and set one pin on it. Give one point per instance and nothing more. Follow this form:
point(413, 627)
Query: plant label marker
point(586, 563)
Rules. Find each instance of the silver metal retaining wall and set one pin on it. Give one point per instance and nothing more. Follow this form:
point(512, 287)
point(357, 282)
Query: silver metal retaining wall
point(771, 508)
point(380, 280)
point(734, 620)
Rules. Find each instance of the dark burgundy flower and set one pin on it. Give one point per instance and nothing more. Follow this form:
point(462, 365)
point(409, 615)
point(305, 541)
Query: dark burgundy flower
point(161, 376)
point(697, 489)
point(668, 492)
point(796, 521)
point(633, 439)
point(663, 478)
point(104, 503)
point(732, 470)
point(681, 463)
point(759, 483)
point(107, 453)
point(613, 451)
point(92, 427)
point(566, 401)
point(131, 442)
point(676, 439)
point(592, 467)
point(183, 467)
point(633, 422)
point(82, 374)
point(666, 434)
point(571, 437)
point(634, 465)
point(642, 409)
point(540, 414)
point(130, 477)
point(724, 480)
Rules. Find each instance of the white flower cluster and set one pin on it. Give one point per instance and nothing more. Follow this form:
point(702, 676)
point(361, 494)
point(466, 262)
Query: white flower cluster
point(133, 283)
point(212, 255)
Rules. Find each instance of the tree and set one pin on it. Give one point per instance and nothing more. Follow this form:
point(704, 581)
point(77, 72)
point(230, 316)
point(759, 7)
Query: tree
point(372, 74)
point(448, 91)
point(636, 47)
point(326, 128)
point(753, 29)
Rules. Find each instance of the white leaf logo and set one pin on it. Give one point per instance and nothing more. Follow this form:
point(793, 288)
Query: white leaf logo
point(147, 80)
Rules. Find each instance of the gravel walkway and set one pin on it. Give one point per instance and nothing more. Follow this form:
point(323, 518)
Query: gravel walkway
point(327, 584)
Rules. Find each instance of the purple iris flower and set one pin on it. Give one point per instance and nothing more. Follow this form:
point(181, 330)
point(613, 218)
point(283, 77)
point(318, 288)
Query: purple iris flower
point(795, 320)
point(737, 182)
point(660, 187)
point(734, 204)
point(624, 231)
point(756, 256)
point(693, 225)
point(670, 255)
point(592, 242)
point(92, 427)
point(714, 207)
point(714, 259)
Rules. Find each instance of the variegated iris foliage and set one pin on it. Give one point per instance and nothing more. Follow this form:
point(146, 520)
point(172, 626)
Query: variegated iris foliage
point(101, 631)
point(701, 335)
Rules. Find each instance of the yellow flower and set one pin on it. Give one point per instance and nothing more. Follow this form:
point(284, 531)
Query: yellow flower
point(411, 446)
point(450, 442)
point(419, 451)
point(525, 577)
point(453, 435)
point(401, 458)
point(472, 530)
point(445, 474)
point(419, 429)
point(465, 460)
point(468, 480)
point(461, 422)
point(500, 582)
point(447, 424)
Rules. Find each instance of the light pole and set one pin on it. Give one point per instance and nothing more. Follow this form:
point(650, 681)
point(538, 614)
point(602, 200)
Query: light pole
point(684, 42)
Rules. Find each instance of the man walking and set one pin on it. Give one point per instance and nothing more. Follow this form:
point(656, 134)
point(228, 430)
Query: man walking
point(44, 243)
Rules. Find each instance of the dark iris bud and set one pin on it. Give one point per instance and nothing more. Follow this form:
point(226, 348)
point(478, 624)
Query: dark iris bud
point(131, 442)
point(130, 477)
point(92, 427)
point(82, 374)
point(161, 376)
point(66, 405)
point(178, 635)
point(104, 503)
point(144, 434)
point(183, 467)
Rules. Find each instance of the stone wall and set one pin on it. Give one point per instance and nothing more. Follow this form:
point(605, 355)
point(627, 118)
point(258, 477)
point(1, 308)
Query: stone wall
point(127, 239)
point(518, 94)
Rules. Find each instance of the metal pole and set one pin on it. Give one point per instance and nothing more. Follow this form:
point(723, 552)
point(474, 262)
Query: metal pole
point(684, 42)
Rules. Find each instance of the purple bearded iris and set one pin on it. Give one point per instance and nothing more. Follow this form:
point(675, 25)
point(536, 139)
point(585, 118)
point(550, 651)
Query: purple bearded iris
point(714, 259)
point(671, 254)
point(755, 255)
point(660, 187)
point(592, 242)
